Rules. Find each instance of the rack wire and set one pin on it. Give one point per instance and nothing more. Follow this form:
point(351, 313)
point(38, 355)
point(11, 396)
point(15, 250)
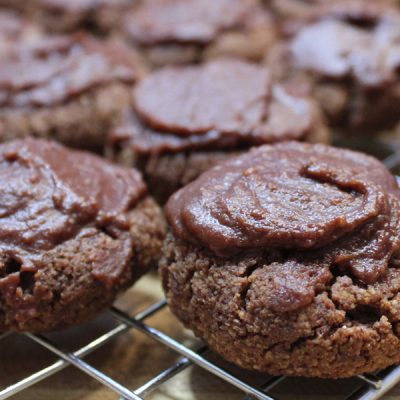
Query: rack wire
point(368, 387)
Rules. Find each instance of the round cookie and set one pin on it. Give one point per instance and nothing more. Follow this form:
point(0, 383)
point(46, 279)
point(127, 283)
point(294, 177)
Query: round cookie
point(75, 231)
point(187, 31)
point(353, 66)
point(184, 120)
point(98, 16)
point(68, 88)
point(285, 260)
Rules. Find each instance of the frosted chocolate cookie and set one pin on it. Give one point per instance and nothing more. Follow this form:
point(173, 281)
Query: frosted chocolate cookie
point(68, 88)
point(75, 231)
point(184, 120)
point(351, 54)
point(186, 31)
point(286, 259)
point(98, 16)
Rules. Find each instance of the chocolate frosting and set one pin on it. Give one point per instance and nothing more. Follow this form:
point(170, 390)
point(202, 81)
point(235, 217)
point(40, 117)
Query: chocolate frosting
point(221, 104)
point(187, 21)
point(331, 205)
point(59, 68)
point(49, 195)
point(225, 96)
point(356, 40)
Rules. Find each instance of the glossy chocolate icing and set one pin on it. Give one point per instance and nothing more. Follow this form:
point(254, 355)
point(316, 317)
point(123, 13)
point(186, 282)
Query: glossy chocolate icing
point(49, 195)
point(309, 202)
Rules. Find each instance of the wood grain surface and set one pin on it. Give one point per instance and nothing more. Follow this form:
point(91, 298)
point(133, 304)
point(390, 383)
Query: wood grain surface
point(133, 358)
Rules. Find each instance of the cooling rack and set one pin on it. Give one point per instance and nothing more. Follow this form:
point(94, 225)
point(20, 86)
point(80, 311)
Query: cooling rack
point(365, 387)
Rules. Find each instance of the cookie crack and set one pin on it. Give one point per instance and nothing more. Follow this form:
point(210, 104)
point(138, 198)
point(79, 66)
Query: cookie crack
point(363, 313)
point(243, 293)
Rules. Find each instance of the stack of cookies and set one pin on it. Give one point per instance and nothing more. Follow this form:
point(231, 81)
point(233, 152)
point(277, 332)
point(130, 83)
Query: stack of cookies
point(195, 135)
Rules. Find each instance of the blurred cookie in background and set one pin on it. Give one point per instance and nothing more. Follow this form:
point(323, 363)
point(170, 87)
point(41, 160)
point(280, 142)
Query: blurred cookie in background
point(68, 88)
point(186, 31)
point(184, 120)
point(350, 54)
point(98, 16)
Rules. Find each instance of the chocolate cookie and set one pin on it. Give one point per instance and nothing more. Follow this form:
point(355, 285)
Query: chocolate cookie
point(286, 260)
point(75, 231)
point(15, 31)
point(183, 31)
point(353, 65)
point(99, 16)
point(68, 88)
point(186, 119)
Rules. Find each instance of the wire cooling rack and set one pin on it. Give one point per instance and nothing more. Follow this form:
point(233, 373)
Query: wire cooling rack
point(366, 387)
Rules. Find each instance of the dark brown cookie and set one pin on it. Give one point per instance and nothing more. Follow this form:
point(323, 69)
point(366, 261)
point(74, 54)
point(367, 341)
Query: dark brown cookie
point(68, 88)
point(98, 16)
point(185, 31)
point(75, 231)
point(285, 260)
point(350, 53)
point(185, 119)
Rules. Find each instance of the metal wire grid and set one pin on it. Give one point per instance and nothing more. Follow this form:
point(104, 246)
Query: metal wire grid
point(371, 387)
